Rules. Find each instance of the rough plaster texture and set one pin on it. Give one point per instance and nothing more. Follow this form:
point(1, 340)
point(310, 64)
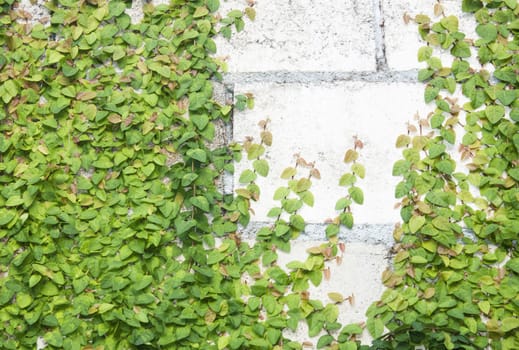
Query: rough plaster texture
point(303, 35)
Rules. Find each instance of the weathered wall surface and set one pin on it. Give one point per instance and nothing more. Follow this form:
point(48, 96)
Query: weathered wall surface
point(324, 72)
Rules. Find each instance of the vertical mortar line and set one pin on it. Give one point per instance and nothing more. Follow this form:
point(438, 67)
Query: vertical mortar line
point(380, 38)
point(228, 178)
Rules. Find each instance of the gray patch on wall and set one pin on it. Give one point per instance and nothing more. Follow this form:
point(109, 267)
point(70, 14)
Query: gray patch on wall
point(376, 234)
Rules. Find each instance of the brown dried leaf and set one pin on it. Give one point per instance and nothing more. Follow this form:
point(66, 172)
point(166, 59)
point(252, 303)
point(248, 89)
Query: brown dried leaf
point(438, 9)
point(314, 172)
point(327, 273)
point(407, 18)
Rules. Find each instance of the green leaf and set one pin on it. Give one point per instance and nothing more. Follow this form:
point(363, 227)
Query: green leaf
point(342, 203)
point(14, 201)
point(484, 306)
point(200, 12)
point(430, 93)
point(235, 14)
point(261, 166)
point(34, 280)
point(103, 162)
point(200, 120)
point(60, 104)
point(197, 154)
point(324, 341)
point(54, 57)
point(49, 289)
point(450, 23)
point(288, 173)
point(446, 166)
point(359, 170)
point(435, 150)
point(23, 300)
point(375, 327)
point(471, 5)
point(255, 151)
point(302, 185)
point(509, 323)
point(441, 223)
point(281, 193)
point(54, 338)
point(494, 113)
point(79, 284)
point(415, 223)
point(187, 180)
point(488, 32)
point(461, 49)
point(346, 219)
point(150, 99)
point(213, 5)
point(223, 341)
point(356, 194)
point(417, 259)
point(424, 74)
point(105, 307)
point(336, 297)
point(438, 198)
point(506, 97)
point(513, 264)
point(148, 169)
point(200, 202)
point(292, 205)
point(347, 180)
point(251, 13)
point(401, 167)
point(424, 53)
point(116, 8)
point(142, 282)
point(247, 176)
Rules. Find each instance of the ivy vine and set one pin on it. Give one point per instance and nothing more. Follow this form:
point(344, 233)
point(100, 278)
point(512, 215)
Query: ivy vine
point(454, 283)
point(117, 235)
point(115, 231)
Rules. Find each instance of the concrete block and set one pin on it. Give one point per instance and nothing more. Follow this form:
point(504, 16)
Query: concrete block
point(319, 121)
point(359, 276)
point(402, 41)
point(302, 35)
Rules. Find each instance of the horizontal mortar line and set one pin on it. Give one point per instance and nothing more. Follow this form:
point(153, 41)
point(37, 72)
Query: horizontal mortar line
point(376, 234)
point(289, 77)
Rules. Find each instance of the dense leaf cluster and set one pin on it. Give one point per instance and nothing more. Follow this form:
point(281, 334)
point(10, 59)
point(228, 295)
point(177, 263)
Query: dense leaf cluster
point(115, 231)
point(455, 282)
point(108, 179)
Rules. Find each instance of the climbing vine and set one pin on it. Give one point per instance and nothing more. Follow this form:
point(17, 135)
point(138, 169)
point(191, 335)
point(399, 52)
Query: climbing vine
point(115, 229)
point(117, 233)
point(454, 283)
